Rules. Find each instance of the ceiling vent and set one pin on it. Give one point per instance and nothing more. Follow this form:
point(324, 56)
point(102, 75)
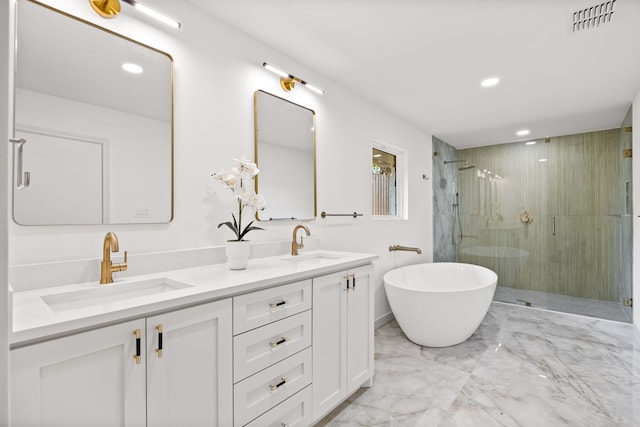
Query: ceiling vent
point(593, 16)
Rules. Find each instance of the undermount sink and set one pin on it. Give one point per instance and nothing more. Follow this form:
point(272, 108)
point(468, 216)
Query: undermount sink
point(313, 256)
point(111, 293)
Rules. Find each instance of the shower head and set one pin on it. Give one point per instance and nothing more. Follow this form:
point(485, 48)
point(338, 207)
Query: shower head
point(466, 166)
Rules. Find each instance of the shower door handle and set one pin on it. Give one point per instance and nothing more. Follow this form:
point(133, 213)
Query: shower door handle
point(554, 227)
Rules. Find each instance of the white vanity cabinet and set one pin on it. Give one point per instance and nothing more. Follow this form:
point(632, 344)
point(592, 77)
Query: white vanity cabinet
point(87, 379)
point(282, 346)
point(272, 356)
point(93, 379)
point(343, 329)
point(189, 381)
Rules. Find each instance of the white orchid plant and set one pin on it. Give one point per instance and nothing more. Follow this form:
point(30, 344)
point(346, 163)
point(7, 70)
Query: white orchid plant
point(238, 180)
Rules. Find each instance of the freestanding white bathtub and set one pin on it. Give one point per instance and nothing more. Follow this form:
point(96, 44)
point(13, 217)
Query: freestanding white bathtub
point(440, 304)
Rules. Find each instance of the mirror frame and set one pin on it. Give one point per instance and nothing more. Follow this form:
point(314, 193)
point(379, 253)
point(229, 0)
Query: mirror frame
point(256, 155)
point(172, 111)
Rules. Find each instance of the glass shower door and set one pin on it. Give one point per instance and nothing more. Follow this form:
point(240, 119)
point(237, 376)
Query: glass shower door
point(552, 219)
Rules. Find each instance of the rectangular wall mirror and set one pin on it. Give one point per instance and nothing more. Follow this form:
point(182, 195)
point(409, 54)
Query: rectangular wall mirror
point(93, 142)
point(285, 154)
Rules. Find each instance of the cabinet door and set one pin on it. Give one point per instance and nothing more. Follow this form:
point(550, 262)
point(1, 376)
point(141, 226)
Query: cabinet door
point(87, 379)
point(360, 324)
point(189, 383)
point(329, 342)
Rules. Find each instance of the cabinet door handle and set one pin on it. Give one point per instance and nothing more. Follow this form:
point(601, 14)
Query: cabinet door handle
point(278, 304)
point(277, 343)
point(351, 286)
point(138, 335)
point(160, 330)
point(280, 384)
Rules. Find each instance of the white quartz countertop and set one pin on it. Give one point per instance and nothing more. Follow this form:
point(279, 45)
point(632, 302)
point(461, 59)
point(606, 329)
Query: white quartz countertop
point(51, 312)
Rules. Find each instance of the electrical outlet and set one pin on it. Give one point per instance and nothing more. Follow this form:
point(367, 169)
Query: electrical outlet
point(142, 213)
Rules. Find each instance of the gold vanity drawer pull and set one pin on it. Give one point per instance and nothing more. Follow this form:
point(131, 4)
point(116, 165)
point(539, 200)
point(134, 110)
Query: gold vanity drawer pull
point(280, 384)
point(138, 335)
point(277, 343)
point(278, 304)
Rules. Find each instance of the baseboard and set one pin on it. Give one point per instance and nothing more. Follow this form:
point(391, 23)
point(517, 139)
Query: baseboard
point(384, 319)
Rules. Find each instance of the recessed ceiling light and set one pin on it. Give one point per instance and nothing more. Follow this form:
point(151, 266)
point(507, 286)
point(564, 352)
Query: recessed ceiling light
point(530, 143)
point(132, 68)
point(542, 160)
point(491, 81)
point(523, 132)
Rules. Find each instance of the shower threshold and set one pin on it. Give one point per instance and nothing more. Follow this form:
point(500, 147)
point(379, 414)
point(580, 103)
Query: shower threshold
point(567, 304)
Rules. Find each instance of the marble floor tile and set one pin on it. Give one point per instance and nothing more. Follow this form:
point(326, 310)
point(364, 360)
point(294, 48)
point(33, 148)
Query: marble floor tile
point(532, 403)
point(464, 356)
point(561, 374)
point(522, 367)
point(405, 390)
point(390, 341)
point(499, 313)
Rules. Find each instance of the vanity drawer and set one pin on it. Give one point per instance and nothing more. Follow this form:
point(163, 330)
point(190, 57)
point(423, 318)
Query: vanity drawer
point(293, 412)
point(269, 344)
point(259, 393)
point(259, 308)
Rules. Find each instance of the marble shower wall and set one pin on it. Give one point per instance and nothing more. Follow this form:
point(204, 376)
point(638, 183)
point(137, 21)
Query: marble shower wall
point(579, 241)
point(444, 191)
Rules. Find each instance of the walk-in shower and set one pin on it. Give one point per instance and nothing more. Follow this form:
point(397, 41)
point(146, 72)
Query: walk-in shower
point(552, 219)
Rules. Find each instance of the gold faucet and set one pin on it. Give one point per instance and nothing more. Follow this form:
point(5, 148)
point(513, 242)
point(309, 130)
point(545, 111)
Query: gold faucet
point(106, 266)
point(404, 248)
point(294, 243)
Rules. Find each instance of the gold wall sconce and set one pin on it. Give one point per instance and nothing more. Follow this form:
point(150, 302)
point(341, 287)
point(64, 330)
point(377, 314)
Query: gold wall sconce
point(111, 8)
point(288, 81)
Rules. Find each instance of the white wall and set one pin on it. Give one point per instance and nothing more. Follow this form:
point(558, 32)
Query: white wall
point(636, 214)
point(5, 76)
point(217, 70)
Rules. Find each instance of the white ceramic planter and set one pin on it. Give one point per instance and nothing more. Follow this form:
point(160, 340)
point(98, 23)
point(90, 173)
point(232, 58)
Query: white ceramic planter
point(238, 254)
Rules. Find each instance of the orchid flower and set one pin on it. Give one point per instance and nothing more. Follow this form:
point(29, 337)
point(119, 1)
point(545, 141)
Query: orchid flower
point(242, 171)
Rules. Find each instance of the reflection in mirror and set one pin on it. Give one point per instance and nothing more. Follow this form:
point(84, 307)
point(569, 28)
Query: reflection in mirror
point(99, 139)
point(285, 154)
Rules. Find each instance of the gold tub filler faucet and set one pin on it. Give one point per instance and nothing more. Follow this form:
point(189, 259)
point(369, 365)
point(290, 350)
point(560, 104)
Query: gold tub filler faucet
point(404, 248)
point(106, 266)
